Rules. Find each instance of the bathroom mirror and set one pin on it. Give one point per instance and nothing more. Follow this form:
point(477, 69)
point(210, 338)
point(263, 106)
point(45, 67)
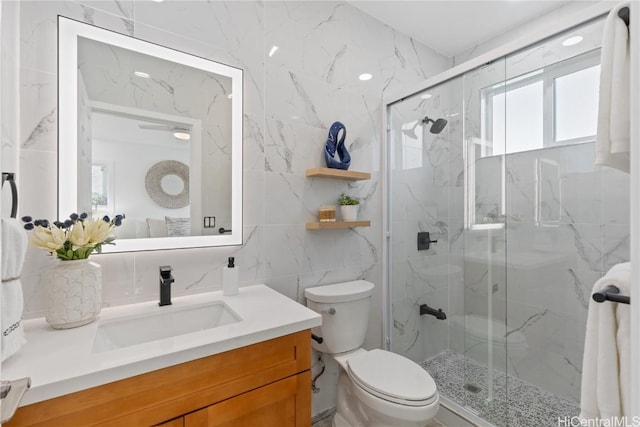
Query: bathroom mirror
point(150, 132)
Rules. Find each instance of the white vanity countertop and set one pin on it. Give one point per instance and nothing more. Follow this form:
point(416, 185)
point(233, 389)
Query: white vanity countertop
point(61, 361)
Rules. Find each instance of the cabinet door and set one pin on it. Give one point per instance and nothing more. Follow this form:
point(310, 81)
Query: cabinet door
point(283, 403)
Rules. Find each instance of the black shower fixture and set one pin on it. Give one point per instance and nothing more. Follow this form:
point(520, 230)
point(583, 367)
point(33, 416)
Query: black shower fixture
point(437, 125)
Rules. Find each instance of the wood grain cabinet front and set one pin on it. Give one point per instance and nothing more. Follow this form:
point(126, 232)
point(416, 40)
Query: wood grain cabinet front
point(264, 384)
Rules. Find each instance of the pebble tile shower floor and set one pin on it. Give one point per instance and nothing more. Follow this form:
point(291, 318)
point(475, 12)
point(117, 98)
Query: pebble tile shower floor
point(515, 404)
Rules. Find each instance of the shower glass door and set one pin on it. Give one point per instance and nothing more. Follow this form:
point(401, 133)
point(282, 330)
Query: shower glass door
point(429, 185)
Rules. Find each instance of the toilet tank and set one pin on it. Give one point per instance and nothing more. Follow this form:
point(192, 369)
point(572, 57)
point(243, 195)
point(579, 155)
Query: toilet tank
point(345, 314)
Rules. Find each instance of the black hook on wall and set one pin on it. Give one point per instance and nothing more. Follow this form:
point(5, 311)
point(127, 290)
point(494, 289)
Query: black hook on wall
point(11, 177)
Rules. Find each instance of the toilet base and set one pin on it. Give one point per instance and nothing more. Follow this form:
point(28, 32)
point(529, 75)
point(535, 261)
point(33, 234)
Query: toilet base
point(356, 408)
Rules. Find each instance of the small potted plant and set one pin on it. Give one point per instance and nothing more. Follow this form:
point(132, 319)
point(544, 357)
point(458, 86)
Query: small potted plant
point(348, 207)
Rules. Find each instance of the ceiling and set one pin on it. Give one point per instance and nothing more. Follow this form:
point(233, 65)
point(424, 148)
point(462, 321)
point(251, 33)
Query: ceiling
point(451, 27)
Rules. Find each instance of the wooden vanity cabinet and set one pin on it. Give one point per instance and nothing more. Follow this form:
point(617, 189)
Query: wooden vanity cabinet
point(264, 384)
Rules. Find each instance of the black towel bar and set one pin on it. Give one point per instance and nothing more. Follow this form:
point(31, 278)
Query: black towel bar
point(610, 293)
point(11, 177)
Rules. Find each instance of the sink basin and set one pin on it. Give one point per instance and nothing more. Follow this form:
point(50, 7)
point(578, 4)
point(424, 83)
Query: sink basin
point(162, 323)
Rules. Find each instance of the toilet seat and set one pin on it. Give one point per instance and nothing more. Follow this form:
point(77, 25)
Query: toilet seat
point(392, 377)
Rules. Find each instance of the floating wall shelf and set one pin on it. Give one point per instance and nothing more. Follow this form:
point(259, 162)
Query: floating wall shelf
point(337, 174)
point(336, 225)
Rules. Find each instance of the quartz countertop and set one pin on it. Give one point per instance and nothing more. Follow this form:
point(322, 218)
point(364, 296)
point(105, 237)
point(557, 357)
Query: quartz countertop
point(63, 361)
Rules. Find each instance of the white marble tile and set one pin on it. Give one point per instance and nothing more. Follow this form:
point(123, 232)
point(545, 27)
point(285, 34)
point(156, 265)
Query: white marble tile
point(286, 204)
point(284, 253)
point(38, 29)
point(315, 44)
point(38, 110)
point(292, 146)
point(615, 197)
point(253, 209)
point(122, 8)
point(290, 96)
point(37, 185)
point(117, 277)
point(615, 245)
point(253, 147)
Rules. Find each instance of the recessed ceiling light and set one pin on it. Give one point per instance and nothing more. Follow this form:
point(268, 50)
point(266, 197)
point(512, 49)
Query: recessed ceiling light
point(142, 74)
point(365, 76)
point(572, 41)
point(426, 96)
point(182, 134)
point(273, 50)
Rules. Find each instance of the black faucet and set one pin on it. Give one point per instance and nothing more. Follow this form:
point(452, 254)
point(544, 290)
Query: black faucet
point(438, 314)
point(166, 279)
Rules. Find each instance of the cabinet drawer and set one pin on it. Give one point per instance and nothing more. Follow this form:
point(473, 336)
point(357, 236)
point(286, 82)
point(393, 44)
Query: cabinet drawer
point(162, 395)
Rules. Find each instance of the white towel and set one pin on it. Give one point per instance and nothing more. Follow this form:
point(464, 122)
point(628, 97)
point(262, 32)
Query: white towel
point(605, 388)
point(612, 140)
point(14, 249)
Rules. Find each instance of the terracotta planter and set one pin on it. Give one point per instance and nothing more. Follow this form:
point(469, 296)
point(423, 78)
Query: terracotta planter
point(73, 293)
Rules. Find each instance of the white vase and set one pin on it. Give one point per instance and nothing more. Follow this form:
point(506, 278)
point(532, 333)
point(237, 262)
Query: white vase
point(349, 212)
point(73, 293)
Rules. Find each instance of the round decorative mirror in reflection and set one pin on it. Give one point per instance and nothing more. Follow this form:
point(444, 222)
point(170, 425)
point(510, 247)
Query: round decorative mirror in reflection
point(167, 183)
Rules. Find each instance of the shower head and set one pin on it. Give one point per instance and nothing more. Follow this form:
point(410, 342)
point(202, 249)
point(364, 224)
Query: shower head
point(437, 125)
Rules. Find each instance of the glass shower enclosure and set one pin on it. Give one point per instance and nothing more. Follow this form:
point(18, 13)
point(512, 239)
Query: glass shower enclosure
point(499, 224)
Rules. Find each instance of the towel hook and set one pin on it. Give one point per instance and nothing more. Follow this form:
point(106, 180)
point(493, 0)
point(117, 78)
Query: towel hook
point(11, 177)
point(623, 14)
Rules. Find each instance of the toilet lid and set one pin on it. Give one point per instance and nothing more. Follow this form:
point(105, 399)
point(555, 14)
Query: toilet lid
point(392, 377)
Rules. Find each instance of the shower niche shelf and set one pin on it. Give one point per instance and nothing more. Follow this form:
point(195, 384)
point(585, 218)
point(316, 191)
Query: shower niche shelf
point(336, 225)
point(337, 174)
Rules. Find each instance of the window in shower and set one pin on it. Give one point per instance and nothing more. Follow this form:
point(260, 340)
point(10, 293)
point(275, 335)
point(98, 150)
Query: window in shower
point(552, 106)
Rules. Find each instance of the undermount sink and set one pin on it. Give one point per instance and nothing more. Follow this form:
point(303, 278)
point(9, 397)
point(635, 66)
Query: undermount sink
point(162, 323)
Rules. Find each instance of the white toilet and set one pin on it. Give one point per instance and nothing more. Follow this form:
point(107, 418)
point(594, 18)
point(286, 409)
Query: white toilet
point(376, 388)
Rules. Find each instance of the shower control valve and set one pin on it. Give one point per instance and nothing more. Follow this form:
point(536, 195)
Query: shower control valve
point(424, 240)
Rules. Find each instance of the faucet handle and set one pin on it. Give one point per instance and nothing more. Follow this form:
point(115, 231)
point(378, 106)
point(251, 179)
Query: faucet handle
point(165, 271)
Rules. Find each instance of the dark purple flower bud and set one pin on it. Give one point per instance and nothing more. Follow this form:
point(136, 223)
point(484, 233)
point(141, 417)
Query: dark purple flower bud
point(37, 222)
point(58, 224)
point(68, 223)
point(83, 215)
point(117, 222)
point(28, 226)
point(27, 219)
point(106, 218)
point(120, 217)
point(74, 216)
point(44, 223)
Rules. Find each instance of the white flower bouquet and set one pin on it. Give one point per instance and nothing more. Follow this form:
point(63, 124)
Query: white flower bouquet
point(75, 238)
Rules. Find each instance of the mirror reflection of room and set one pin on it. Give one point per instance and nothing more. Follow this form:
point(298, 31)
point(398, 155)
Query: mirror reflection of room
point(158, 129)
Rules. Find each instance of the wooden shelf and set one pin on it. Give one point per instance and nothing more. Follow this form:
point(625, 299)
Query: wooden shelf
point(337, 174)
point(336, 225)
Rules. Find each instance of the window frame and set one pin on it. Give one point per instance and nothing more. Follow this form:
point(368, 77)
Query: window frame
point(547, 75)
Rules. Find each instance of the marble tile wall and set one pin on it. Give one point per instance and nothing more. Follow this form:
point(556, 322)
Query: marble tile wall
point(291, 98)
